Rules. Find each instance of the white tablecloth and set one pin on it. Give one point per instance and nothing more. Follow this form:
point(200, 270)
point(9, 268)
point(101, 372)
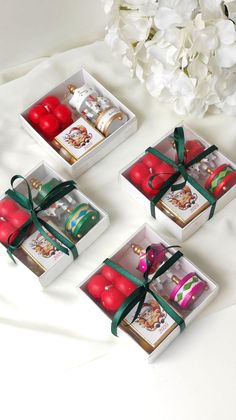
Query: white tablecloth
point(58, 358)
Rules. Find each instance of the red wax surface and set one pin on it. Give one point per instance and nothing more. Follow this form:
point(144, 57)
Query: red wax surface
point(109, 273)
point(150, 160)
point(112, 299)
point(7, 207)
point(138, 172)
point(6, 230)
point(36, 113)
point(19, 218)
point(164, 168)
point(96, 285)
point(124, 285)
point(50, 102)
point(49, 125)
point(63, 114)
point(157, 182)
point(147, 189)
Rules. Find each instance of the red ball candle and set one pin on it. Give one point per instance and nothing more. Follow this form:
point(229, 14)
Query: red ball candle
point(50, 102)
point(164, 170)
point(145, 187)
point(64, 126)
point(96, 285)
point(112, 299)
point(63, 114)
point(19, 218)
point(138, 172)
point(49, 125)
point(37, 112)
point(192, 149)
point(157, 182)
point(124, 285)
point(151, 161)
point(7, 232)
point(7, 207)
point(109, 273)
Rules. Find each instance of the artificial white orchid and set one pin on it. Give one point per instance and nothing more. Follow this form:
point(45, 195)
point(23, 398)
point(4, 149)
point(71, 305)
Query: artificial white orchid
point(183, 50)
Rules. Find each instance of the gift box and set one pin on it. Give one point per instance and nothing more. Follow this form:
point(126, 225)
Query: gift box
point(100, 125)
point(46, 222)
point(181, 180)
point(149, 290)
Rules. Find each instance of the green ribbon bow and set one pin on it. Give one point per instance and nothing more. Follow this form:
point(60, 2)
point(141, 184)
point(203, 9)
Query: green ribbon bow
point(138, 295)
point(27, 203)
point(181, 169)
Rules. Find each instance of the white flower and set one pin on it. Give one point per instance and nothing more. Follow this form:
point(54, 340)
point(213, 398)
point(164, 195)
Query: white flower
point(184, 51)
point(136, 29)
point(231, 9)
point(114, 40)
point(226, 53)
point(145, 7)
point(174, 12)
point(205, 40)
point(211, 9)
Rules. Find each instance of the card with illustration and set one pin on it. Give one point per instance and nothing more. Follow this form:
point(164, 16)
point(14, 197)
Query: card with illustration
point(183, 204)
point(152, 326)
point(79, 138)
point(42, 251)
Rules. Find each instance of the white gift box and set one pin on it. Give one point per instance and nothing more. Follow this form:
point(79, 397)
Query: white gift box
point(47, 269)
point(180, 232)
point(104, 147)
point(153, 342)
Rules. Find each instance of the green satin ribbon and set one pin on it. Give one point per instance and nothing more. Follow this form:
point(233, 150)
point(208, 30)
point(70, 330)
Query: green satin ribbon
point(138, 295)
point(27, 203)
point(181, 169)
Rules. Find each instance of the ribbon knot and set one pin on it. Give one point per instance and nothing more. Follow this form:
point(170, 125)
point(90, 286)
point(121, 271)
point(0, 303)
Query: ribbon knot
point(146, 286)
point(60, 242)
point(137, 297)
point(181, 169)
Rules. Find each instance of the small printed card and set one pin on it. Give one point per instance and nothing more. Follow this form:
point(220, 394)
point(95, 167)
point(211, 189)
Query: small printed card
point(41, 251)
point(79, 138)
point(184, 204)
point(152, 326)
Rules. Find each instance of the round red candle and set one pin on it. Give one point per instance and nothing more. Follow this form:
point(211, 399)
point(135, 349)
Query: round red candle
point(49, 125)
point(192, 149)
point(7, 230)
point(63, 114)
point(96, 285)
point(50, 102)
point(164, 170)
point(36, 113)
point(138, 172)
point(109, 273)
point(145, 187)
point(157, 182)
point(19, 218)
point(151, 161)
point(7, 207)
point(112, 299)
point(124, 285)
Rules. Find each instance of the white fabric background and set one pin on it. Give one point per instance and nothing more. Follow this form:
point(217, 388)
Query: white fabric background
point(32, 29)
point(58, 358)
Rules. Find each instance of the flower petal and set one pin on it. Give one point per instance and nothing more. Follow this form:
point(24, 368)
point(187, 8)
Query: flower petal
point(226, 55)
point(226, 31)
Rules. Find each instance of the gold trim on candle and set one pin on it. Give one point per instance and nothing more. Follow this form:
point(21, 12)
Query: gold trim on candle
point(117, 116)
point(101, 114)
